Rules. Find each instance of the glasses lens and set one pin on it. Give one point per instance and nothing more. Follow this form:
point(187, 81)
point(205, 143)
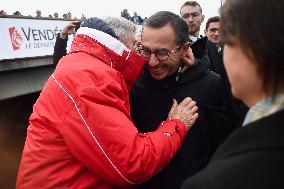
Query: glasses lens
point(145, 53)
point(162, 54)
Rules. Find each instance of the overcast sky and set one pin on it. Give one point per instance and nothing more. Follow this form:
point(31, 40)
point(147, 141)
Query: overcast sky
point(103, 7)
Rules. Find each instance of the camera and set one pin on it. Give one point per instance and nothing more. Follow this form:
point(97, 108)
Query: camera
point(77, 26)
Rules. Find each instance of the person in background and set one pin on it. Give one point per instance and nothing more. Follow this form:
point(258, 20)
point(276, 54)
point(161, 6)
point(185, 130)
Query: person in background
point(69, 15)
point(125, 14)
point(81, 134)
point(38, 14)
point(212, 29)
point(3, 13)
point(191, 12)
point(167, 76)
point(55, 15)
point(252, 157)
point(83, 17)
point(237, 109)
point(17, 13)
point(136, 19)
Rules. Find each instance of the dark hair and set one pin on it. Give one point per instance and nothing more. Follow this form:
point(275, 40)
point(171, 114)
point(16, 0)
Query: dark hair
point(162, 18)
point(17, 13)
point(98, 24)
point(191, 3)
point(261, 37)
point(212, 19)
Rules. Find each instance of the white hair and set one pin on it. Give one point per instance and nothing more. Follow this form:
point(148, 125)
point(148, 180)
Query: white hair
point(121, 26)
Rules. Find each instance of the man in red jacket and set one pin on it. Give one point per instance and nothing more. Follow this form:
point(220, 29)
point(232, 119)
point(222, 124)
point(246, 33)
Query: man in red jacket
point(81, 134)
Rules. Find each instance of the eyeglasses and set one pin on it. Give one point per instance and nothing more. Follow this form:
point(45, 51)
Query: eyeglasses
point(213, 30)
point(161, 54)
point(192, 14)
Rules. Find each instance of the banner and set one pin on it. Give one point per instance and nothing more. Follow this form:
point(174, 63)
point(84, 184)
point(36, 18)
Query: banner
point(22, 38)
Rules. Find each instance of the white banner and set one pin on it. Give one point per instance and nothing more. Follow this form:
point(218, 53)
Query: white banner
point(21, 38)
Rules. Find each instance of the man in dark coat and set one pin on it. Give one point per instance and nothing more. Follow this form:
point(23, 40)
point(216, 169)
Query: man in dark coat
point(252, 156)
point(136, 19)
point(191, 12)
point(237, 109)
point(166, 77)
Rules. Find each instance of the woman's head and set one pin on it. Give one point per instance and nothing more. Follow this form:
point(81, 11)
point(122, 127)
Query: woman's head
point(258, 27)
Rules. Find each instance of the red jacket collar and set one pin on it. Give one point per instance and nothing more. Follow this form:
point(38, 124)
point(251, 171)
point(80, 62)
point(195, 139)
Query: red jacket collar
point(109, 50)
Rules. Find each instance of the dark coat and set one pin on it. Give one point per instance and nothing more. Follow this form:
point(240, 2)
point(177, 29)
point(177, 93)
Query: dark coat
point(138, 20)
point(151, 101)
point(59, 49)
point(236, 109)
point(252, 157)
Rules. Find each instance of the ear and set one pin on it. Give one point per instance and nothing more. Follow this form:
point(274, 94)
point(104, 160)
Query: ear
point(205, 32)
point(203, 17)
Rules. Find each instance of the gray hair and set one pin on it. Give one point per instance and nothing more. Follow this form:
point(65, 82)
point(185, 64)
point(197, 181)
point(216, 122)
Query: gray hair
point(121, 26)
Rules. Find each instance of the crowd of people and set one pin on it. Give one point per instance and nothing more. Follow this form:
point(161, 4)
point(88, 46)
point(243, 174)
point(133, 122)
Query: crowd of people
point(38, 14)
point(137, 19)
point(168, 108)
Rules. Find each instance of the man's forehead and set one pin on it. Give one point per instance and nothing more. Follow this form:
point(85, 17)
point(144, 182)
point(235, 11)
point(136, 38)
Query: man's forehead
point(214, 24)
point(190, 9)
point(160, 35)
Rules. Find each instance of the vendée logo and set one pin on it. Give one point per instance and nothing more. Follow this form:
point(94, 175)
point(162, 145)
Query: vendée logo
point(16, 38)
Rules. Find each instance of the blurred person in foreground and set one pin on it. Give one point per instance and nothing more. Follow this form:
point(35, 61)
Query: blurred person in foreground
point(252, 156)
point(81, 134)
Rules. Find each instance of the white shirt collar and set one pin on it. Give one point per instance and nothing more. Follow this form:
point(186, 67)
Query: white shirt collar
point(193, 38)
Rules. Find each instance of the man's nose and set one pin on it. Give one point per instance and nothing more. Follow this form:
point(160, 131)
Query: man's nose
point(217, 32)
point(153, 61)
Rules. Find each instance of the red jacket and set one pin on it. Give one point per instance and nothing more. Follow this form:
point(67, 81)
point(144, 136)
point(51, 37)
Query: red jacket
point(81, 134)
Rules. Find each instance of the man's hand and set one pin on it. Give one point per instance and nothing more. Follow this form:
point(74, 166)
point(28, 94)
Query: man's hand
point(69, 29)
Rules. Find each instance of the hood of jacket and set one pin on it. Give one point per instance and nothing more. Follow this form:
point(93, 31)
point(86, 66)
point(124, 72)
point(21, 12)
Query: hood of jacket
point(109, 50)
